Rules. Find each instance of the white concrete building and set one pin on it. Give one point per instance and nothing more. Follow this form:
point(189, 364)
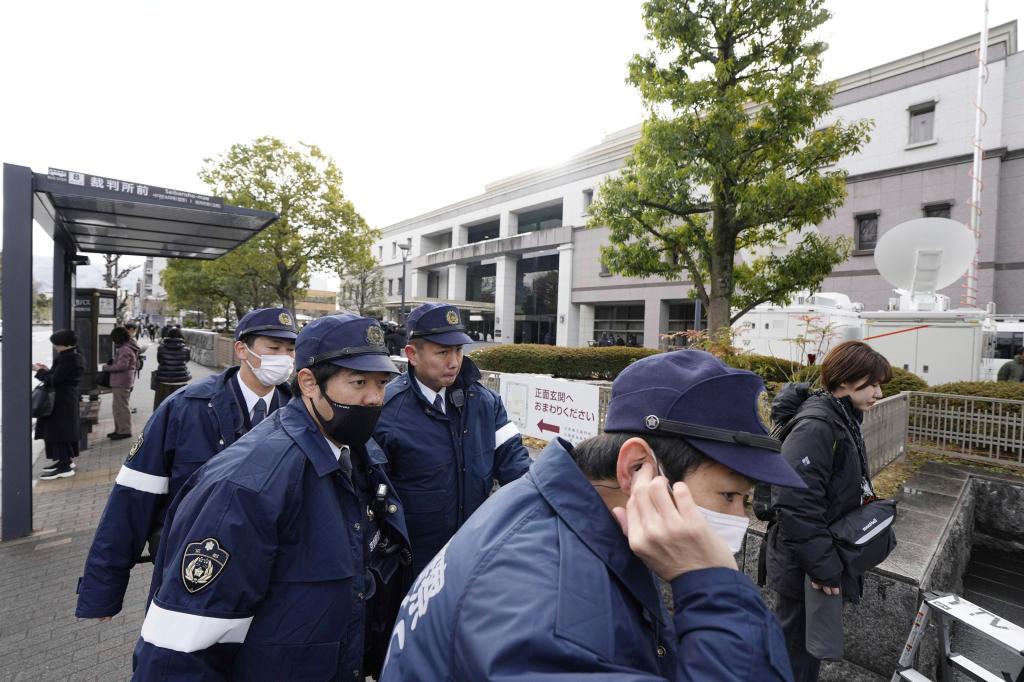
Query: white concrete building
point(521, 263)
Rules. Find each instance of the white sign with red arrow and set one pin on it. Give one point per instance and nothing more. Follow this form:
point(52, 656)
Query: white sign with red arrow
point(543, 407)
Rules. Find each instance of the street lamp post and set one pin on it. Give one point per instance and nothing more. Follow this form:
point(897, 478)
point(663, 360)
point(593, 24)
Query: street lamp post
point(405, 252)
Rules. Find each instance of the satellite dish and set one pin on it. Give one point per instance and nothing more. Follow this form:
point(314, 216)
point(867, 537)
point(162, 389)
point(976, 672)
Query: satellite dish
point(924, 255)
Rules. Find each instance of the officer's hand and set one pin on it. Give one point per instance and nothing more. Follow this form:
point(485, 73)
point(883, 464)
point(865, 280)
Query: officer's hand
point(666, 530)
point(830, 591)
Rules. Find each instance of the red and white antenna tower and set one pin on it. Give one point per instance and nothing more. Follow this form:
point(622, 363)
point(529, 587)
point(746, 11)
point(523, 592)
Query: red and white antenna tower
point(969, 295)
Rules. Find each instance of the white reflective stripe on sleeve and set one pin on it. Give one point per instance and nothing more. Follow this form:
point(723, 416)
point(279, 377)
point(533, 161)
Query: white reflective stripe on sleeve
point(147, 483)
point(187, 633)
point(504, 433)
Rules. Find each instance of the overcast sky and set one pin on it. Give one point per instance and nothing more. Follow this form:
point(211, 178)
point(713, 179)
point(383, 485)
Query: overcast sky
point(420, 103)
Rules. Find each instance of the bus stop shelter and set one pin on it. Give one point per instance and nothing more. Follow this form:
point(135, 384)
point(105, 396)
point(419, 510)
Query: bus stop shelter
point(83, 214)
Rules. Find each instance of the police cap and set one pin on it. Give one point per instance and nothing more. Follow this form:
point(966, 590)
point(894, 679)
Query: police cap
point(276, 322)
point(693, 395)
point(345, 340)
point(437, 322)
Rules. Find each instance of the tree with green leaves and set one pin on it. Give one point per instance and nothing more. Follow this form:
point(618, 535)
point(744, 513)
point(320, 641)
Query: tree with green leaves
point(317, 229)
point(734, 156)
point(362, 287)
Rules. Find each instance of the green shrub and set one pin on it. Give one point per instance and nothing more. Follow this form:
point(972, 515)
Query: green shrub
point(1007, 390)
point(902, 380)
point(559, 361)
point(770, 369)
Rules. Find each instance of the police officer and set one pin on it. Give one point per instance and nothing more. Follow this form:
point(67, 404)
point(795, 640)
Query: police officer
point(189, 427)
point(552, 579)
point(447, 437)
point(276, 550)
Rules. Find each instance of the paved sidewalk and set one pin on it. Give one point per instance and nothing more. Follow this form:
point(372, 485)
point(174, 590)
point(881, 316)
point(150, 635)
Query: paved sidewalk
point(40, 638)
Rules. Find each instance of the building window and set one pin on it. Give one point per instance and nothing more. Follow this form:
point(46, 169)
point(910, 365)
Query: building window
point(481, 281)
point(401, 286)
point(605, 272)
point(922, 122)
point(588, 199)
point(867, 231)
point(380, 252)
point(391, 287)
point(394, 249)
point(682, 318)
point(941, 210)
point(540, 219)
point(619, 325)
point(433, 282)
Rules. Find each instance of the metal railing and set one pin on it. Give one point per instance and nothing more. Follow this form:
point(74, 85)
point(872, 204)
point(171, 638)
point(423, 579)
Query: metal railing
point(981, 429)
point(885, 431)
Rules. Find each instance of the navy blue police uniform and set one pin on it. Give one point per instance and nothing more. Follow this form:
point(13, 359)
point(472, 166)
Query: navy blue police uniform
point(444, 462)
point(278, 549)
point(541, 584)
point(190, 426)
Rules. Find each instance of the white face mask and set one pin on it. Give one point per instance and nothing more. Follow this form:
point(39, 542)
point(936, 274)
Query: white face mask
point(273, 369)
point(730, 528)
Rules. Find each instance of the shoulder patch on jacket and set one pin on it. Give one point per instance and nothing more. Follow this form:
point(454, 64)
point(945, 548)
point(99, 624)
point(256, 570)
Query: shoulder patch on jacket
point(202, 562)
point(136, 446)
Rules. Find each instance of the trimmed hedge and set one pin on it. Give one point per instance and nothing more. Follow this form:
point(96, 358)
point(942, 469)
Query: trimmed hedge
point(770, 369)
point(559, 361)
point(902, 380)
point(1007, 390)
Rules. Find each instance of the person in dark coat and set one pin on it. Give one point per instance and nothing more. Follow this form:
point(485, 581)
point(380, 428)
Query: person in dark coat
point(557, 577)
point(447, 437)
point(171, 373)
point(279, 551)
point(823, 443)
point(59, 432)
point(191, 426)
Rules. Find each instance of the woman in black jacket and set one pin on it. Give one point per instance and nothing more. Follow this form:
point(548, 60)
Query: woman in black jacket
point(172, 366)
point(822, 441)
point(59, 432)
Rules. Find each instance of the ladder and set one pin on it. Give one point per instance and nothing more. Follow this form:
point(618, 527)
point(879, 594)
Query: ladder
point(950, 608)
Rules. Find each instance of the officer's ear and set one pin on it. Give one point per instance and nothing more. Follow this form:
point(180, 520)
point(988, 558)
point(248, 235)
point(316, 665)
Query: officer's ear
point(241, 354)
point(307, 384)
point(633, 453)
point(410, 352)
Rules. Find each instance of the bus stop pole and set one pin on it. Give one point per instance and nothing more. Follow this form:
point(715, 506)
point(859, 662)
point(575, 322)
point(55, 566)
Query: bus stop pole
point(16, 440)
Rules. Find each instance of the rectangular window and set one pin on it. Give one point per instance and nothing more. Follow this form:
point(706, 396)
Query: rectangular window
point(433, 280)
point(619, 325)
point(394, 249)
point(588, 199)
point(401, 286)
point(938, 210)
point(380, 252)
point(867, 231)
point(391, 287)
point(922, 122)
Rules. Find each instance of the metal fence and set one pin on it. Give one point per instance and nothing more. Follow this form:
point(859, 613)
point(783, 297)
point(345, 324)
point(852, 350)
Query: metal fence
point(885, 431)
point(981, 429)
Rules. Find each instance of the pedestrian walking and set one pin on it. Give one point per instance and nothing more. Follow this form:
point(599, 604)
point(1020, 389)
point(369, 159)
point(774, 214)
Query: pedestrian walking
point(172, 357)
point(554, 578)
point(122, 379)
point(824, 444)
point(190, 426)
point(279, 551)
point(60, 431)
point(446, 435)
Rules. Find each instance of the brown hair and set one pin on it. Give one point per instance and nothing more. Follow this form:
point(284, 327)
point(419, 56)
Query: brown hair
point(854, 361)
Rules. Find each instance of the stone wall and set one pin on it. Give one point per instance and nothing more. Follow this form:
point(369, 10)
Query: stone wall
point(210, 349)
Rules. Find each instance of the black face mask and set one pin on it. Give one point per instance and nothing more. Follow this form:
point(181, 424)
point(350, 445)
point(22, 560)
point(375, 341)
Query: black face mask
point(349, 424)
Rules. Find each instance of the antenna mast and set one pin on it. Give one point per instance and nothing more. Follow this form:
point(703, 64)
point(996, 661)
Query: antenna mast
point(969, 296)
